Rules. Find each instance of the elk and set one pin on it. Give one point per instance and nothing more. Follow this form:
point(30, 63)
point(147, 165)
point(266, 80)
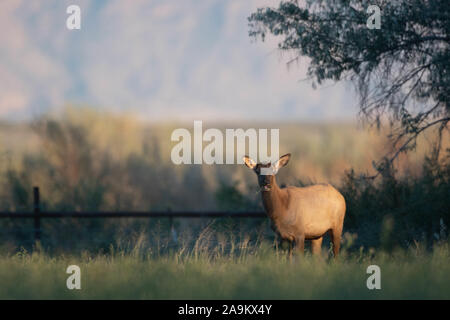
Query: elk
point(299, 214)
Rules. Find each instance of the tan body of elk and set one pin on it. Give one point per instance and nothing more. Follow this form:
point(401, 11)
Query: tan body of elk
point(299, 214)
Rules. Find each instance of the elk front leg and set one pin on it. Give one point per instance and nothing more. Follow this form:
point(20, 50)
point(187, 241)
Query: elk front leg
point(316, 246)
point(300, 244)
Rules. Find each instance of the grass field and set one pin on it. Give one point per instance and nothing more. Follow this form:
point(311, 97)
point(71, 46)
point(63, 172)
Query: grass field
point(83, 160)
point(250, 273)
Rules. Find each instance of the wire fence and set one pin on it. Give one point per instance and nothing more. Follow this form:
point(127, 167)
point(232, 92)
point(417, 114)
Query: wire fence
point(63, 227)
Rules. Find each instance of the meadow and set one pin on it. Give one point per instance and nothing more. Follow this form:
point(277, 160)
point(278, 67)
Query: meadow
point(247, 272)
point(87, 160)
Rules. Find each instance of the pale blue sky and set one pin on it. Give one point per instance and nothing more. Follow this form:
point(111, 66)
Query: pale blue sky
point(186, 60)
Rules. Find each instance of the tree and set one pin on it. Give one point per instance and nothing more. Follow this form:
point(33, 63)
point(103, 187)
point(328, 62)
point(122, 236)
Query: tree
point(400, 71)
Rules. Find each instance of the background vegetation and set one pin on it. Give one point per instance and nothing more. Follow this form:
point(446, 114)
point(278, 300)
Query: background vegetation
point(84, 160)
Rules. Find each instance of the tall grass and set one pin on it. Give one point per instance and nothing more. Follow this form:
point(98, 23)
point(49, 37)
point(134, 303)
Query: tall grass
point(243, 271)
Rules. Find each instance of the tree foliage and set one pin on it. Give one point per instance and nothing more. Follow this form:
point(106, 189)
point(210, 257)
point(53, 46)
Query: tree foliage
point(401, 71)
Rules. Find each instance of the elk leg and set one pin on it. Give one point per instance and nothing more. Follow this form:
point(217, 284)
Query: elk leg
point(277, 242)
point(300, 244)
point(335, 236)
point(290, 249)
point(316, 246)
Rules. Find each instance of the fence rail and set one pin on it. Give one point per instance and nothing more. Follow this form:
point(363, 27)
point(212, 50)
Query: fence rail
point(135, 214)
point(37, 214)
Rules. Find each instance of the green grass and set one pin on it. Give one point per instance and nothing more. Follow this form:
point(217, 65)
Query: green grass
point(250, 273)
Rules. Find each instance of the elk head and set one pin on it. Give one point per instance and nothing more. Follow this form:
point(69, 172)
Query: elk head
point(266, 171)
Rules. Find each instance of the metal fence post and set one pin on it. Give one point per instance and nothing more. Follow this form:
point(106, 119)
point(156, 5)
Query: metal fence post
point(37, 212)
point(173, 232)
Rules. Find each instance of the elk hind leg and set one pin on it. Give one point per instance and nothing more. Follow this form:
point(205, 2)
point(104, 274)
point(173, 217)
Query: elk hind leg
point(290, 250)
point(335, 235)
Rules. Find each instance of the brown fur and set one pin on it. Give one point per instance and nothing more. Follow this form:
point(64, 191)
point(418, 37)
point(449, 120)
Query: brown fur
point(299, 214)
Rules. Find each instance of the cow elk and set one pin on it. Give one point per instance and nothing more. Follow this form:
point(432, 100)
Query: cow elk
point(299, 214)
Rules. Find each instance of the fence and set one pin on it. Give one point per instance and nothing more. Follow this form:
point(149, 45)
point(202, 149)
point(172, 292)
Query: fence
point(37, 215)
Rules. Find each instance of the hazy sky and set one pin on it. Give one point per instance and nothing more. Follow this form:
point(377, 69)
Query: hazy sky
point(184, 59)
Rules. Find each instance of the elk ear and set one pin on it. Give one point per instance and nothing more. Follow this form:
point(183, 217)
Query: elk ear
point(281, 162)
point(249, 162)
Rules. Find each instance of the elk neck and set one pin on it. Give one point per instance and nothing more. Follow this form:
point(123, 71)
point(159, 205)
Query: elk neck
point(274, 201)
